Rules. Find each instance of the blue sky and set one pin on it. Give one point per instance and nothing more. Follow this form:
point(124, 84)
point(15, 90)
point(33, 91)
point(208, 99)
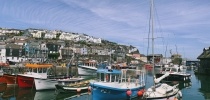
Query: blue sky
point(182, 25)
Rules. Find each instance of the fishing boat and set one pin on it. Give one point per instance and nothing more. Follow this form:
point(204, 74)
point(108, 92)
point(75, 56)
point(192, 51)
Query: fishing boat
point(7, 75)
point(117, 84)
point(45, 83)
point(50, 82)
point(160, 91)
point(34, 70)
point(73, 85)
point(89, 67)
point(175, 74)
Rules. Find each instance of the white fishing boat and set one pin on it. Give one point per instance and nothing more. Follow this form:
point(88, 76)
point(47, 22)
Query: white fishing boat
point(88, 68)
point(45, 83)
point(160, 91)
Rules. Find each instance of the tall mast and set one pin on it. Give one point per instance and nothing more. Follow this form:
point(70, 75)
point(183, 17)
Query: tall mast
point(152, 28)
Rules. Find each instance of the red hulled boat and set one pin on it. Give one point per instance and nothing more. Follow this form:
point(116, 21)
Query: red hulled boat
point(33, 70)
point(10, 79)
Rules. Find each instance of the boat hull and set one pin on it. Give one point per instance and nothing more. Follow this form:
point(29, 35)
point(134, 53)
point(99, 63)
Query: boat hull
point(25, 82)
point(171, 97)
point(45, 84)
point(10, 79)
point(66, 89)
point(175, 77)
point(84, 70)
point(104, 93)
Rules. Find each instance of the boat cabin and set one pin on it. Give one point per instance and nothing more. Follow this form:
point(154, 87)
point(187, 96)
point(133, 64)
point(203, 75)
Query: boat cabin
point(121, 76)
point(108, 75)
point(43, 70)
point(170, 69)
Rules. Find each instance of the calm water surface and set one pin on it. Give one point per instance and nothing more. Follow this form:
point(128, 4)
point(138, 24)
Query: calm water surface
point(197, 89)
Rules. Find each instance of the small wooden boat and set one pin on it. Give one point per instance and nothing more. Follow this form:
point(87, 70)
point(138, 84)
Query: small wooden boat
point(75, 86)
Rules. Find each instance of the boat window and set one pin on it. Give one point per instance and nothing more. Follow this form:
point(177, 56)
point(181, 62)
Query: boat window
point(167, 69)
point(163, 69)
point(29, 70)
point(113, 78)
point(98, 76)
point(35, 70)
point(173, 70)
point(49, 71)
point(39, 70)
point(102, 76)
point(44, 70)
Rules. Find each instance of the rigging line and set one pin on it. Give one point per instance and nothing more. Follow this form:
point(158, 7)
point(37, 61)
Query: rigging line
point(158, 20)
point(159, 25)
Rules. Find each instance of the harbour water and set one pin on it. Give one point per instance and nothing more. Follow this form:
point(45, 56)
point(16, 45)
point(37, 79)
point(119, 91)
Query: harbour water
point(197, 89)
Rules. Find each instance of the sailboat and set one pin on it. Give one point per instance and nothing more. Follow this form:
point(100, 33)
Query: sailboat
point(160, 91)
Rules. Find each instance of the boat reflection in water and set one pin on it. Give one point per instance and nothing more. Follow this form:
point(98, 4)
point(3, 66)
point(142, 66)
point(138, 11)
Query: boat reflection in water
point(82, 96)
point(9, 93)
point(45, 95)
point(16, 93)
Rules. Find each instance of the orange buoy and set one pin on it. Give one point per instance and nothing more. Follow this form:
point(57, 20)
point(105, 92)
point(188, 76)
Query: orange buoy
point(140, 93)
point(129, 92)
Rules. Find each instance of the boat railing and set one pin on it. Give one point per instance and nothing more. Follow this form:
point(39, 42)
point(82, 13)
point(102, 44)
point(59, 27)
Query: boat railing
point(133, 76)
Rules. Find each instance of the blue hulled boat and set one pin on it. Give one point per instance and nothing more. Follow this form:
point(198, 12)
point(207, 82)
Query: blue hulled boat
point(117, 84)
